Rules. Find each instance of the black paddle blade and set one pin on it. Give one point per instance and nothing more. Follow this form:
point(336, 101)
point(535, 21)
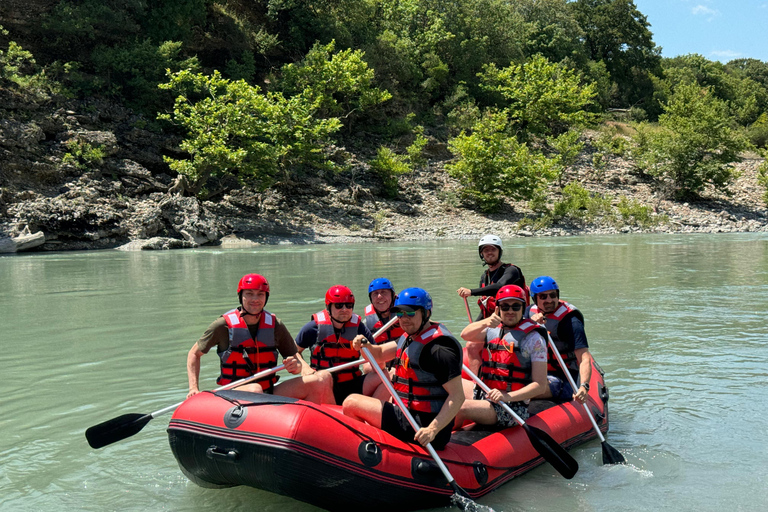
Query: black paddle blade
point(611, 455)
point(116, 429)
point(552, 452)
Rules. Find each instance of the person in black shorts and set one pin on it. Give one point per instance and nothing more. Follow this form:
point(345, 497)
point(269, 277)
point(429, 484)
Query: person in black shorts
point(428, 361)
point(328, 336)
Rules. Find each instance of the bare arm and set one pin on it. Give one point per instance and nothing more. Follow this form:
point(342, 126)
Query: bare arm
point(193, 370)
point(447, 412)
point(584, 358)
point(474, 334)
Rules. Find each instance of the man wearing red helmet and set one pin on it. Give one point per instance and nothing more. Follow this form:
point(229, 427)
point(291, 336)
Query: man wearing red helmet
point(509, 354)
point(248, 340)
point(329, 335)
point(497, 275)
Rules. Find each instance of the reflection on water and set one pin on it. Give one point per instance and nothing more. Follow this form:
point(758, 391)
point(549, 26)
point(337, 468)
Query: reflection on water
point(677, 322)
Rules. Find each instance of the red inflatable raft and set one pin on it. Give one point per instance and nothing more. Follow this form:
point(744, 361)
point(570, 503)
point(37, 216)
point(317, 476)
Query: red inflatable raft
point(316, 454)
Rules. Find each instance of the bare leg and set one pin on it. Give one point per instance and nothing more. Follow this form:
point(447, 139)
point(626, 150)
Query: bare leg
point(317, 388)
point(479, 411)
point(364, 408)
point(253, 388)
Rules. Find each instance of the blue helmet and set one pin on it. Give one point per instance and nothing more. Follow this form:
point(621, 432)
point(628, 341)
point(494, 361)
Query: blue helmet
point(414, 298)
point(380, 283)
point(543, 284)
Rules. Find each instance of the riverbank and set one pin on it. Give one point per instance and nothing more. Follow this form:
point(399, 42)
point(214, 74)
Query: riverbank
point(124, 196)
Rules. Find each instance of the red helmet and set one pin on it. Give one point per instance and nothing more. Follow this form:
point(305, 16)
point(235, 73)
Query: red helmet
point(338, 293)
point(253, 282)
point(511, 291)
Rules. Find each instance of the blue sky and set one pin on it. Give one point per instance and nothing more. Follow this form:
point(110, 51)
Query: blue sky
point(717, 29)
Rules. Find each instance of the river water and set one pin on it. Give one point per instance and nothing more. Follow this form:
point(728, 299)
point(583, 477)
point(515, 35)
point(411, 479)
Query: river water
point(677, 322)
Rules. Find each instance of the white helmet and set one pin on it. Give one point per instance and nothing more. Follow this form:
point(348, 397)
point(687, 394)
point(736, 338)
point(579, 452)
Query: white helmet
point(489, 240)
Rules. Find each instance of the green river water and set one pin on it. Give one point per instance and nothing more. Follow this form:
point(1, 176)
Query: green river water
point(677, 322)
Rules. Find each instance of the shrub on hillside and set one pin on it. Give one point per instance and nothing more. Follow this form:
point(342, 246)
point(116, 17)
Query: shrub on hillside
point(493, 165)
point(693, 145)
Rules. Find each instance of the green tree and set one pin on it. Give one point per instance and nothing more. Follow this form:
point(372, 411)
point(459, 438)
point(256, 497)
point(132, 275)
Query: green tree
point(694, 145)
point(540, 97)
point(493, 166)
point(340, 83)
point(618, 34)
point(233, 129)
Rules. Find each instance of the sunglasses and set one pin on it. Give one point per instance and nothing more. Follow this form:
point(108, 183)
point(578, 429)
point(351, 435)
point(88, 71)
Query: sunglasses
point(513, 307)
point(342, 305)
point(401, 314)
point(545, 295)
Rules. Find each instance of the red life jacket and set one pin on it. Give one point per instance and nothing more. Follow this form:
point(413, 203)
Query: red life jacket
point(502, 367)
point(245, 356)
point(419, 390)
point(329, 351)
point(487, 303)
point(552, 321)
point(373, 323)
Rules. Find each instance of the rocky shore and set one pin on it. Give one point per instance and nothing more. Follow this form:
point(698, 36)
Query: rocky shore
point(54, 192)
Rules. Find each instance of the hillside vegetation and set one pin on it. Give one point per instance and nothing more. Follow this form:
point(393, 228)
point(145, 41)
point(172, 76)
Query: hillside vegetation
point(268, 97)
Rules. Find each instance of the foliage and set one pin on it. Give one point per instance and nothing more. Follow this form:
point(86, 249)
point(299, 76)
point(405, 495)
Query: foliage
point(568, 147)
point(579, 204)
point(693, 146)
point(18, 66)
point(745, 97)
point(758, 131)
point(618, 34)
point(340, 83)
point(134, 71)
point(389, 166)
point(762, 175)
point(633, 212)
point(233, 129)
point(541, 98)
point(82, 155)
point(493, 166)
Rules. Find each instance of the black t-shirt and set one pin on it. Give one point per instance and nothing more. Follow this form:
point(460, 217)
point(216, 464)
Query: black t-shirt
point(442, 358)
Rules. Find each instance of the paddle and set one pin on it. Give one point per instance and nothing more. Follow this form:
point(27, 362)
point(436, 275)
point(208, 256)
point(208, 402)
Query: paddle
point(542, 442)
point(128, 425)
point(461, 498)
point(610, 454)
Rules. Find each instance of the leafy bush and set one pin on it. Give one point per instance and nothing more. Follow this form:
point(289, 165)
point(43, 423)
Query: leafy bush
point(233, 129)
point(635, 213)
point(135, 70)
point(762, 175)
point(758, 131)
point(81, 154)
point(579, 204)
point(18, 66)
point(340, 84)
point(541, 98)
point(492, 165)
point(568, 147)
point(693, 146)
point(388, 165)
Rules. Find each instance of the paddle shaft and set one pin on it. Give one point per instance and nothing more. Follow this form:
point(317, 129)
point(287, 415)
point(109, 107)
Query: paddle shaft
point(411, 420)
point(573, 384)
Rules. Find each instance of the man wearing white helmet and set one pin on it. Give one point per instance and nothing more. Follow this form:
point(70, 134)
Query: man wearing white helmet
point(494, 278)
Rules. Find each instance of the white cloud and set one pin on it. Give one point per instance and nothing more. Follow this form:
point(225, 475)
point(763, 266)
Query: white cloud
point(705, 11)
point(726, 54)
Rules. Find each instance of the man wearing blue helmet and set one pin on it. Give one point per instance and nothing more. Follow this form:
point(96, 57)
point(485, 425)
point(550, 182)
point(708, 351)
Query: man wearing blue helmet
point(494, 278)
point(428, 361)
point(382, 296)
point(565, 324)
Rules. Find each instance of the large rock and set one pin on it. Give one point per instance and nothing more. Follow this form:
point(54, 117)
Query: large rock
point(24, 242)
point(157, 243)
